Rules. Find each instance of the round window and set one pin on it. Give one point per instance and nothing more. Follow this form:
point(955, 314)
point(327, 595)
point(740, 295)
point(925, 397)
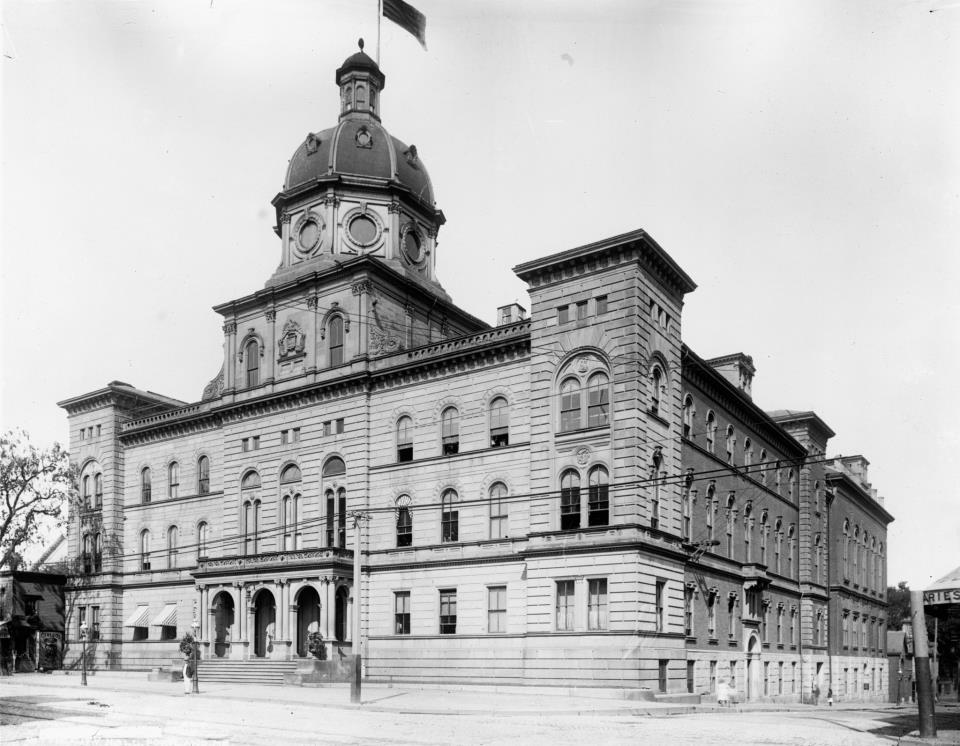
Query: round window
point(411, 246)
point(363, 230)
point(309, 234)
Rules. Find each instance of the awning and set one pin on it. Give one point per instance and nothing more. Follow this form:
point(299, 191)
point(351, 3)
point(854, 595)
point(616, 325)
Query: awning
point(167, 617)
point(945, 591)
point(138, 618)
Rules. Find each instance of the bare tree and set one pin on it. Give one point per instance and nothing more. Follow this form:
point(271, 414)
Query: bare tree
point(35, 487)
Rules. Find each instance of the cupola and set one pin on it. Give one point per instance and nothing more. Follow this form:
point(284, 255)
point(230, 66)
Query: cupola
point(360, 82)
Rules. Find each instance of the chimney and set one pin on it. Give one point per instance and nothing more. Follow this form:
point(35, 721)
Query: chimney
point(510, 314)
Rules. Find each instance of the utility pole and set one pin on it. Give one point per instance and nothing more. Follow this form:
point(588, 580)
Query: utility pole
point(921, 659)
point(358, 518)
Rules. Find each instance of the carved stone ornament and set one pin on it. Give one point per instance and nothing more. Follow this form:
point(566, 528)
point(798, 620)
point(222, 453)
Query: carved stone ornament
point(393, 208)
point(312, 143)
point(312, 301)
point(364, 138)
point(271, 315)
point(213, 389)
point(583, 455)
point(230, 327)
point(292, 340)
point(285, 218)
point(583, 365)
point(413, 159)
point(382, 342)
point(359, 288)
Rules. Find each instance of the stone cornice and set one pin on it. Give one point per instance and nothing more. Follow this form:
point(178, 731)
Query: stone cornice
point(636, 246)
point(851, 490)
point(118, 394)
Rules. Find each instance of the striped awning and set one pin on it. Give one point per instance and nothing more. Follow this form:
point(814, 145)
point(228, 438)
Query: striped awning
point(138, 618)
point(167, 617)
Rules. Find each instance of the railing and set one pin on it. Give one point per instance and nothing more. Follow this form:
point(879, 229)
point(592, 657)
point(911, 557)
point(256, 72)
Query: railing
point(173, 414)
point(498, 332)
point(291, 557)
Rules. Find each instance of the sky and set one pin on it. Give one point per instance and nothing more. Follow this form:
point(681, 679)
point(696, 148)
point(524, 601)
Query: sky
point(799, 159)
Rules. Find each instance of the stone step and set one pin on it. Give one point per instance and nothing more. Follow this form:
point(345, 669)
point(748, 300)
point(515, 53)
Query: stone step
point(246, 672)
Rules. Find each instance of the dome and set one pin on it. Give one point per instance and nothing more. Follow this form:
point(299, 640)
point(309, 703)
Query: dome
point(359, 148)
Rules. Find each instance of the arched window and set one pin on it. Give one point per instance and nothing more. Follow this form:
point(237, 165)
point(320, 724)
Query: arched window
point(499, 422)
point(335, 497)
point(145, 550)
point(404, 439)
point(688, 416)
point(711, 507)
point(498, 510)
point(569, 500)
point(845, 548)
point(173, 480)
point(86, 555)
point(790, 550)
point(203, 475)
point(172, 541)
point(86, 492)
point(763, 466)
point(686, 497)
point(97, 552)
point(342, 517)
point(598, 404)
point(747, 452)
point(290, 475)
point(748, 532)
point(249, 485)
point(250, 481)
point(856, 555)
point(449, 517)
point(98, 490)
point(764, 529)
point(777, 544)
point(336, 341)
point(731, 443)
point(598, 498)
point(790, 478)
point(450, 431)
point(570, 405)
point(656, 386)
point(203, 536)
point(404, 522)
point(817, 559)
point(251, 354)
point(711, 426)
point(145, 485)
point(731, 521)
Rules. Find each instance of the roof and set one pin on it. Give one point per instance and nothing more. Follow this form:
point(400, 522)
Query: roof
point(118, 392)
point(797, 415)
point(950, 580)
point(361, 61)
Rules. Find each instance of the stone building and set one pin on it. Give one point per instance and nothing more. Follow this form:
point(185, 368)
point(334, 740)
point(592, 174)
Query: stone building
point(532, 494)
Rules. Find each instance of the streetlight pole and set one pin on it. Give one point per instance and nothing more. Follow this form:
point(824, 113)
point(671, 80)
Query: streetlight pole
point(196, 656)
point(83, 654)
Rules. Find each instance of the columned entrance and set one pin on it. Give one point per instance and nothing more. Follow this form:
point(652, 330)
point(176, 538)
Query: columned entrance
point(264, 623)
point(308, 618)
point(223, 618)
point(754, 687)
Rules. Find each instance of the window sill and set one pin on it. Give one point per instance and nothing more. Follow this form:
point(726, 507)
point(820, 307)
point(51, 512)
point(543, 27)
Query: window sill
point(595, 430)
point(713, 641)
point(655, 414)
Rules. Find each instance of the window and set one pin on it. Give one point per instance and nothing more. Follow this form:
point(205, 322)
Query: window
point(172, 536)
point(763, 466)
point(563, 314)
point(747, 452)
point(598, 501)
point(817, 578)
point(790, 480)
point(777, 542)
point(145, 550)
point(747, 533)
point(733, 674)
point(598, 405)
point(711, 509)
point(342, 517)
point(712, 615)
point(656, 387)
point(565, 606)
point(780, 677)
point(732, 616)
point(336, 520)
point(845, 546)
point(404, 439)
point(87, 503)
point(331, 518)
point(764, 528)
point(766, 621)
point(145, 485)
point(581, 310)
point(328, 428)
point(790, 543)
point(569, 500)
point(730, 444)
point(688, 414)
point(203, 536)
point(498, 510)
point(711, 433)
point(173, 479)
point(601, 305)
point(203, 475)
point(766, 678)
point(731, 522)
point(336, 341)
point(686, 506)
point(338, 423)
point(570, 405)
point(449, 517)
point(404, 522)
point(290, 507)
point(793, 626)
point(817, 629)
point(499, 423)
point(450, 425)
point(401, 612)
point(780, 625)
point(98, 490)
point(713, 677)
point(661, 609)
point(86, 555)
point(98, 552)
point(81, 620)
point(596, 603)
point(94, 622)
point(688, 611)
point(448, 612)
point(251, 526)
point(497, 609)
point(251, 354)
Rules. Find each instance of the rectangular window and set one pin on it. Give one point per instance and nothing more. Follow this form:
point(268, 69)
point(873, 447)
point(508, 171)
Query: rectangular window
point(691, 670)
point(597, 604)
point(404, 527)
point(766, 678)
point(662, 675)
point(497, 608)
point(733, 674)
point(780, 678)
point(81, 619)
point(565, 605)
point(712, 616)
point(581, 310)
point(563, 314)
point(255, 441)
point(284, 435)
point(168, 632)
point(401, 612)
point(245, 444)
point(339, 425)
point(660, 607)
point(688, 612)
point(780, 626)
point(713, 676)
point(94, 622)
point(448, 612)
point(601, 305)
point(342, 519)
point(328, 427)
point(330, 517)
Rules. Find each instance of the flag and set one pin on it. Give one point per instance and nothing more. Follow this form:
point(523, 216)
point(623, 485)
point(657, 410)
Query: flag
point(408, 18)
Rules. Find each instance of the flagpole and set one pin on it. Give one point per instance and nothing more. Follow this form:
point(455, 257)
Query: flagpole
point(379, 16)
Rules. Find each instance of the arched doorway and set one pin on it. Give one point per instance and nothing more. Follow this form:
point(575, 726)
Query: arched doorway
point(308, 617)
point(340, 617)
point(754, 688)
point(222, 624)
point(264, 617)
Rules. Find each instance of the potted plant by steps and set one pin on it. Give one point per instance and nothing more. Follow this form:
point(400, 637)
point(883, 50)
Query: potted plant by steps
point(187, 649)
point(315, 646)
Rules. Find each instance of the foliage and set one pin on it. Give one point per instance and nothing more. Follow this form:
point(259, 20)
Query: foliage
point(898, 605)
point(35, 489)
point(315, 646)
point(187, 645)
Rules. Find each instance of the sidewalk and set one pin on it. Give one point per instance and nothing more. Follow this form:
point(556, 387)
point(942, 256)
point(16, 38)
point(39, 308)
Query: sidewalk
point(406, 698)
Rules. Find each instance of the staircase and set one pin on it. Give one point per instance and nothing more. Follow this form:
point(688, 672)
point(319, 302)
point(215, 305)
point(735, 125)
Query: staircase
point(256, 671)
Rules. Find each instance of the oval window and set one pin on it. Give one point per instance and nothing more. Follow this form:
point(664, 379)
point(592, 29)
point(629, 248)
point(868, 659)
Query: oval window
point(363, 230)
point(411, 246)
point(309, 235)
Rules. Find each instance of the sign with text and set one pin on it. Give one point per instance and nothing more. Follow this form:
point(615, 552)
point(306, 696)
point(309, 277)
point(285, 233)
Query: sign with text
point(941, 596)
